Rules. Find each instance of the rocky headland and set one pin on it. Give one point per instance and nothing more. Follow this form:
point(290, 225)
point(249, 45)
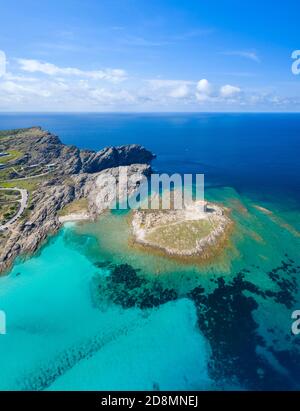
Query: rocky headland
point(57, 176)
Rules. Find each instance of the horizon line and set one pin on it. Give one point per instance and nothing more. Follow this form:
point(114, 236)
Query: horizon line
point(147, 112)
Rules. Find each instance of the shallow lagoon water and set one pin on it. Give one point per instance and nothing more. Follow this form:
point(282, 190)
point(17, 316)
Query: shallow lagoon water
point(57, 339)
point(230, 323)
point(61, 335)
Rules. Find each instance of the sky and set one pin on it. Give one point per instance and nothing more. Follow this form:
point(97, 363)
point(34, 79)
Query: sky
point(149, 55)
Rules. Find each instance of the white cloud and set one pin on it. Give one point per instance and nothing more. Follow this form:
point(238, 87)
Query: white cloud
point(206, 92)
point(2, 63)
point(58, 95)
point(250, 55)
point(101, 95)
point(162, 83)
point(73, 89)
point(19, 78)
point(203, 86)
point(180, 91)
point(142, 42)
point(269, 100)
point(228, 91)
point(34, 66)
point(203, 90)
point(171, 88)
point(19, 91)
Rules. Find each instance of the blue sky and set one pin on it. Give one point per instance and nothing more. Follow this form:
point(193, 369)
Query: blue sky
point(149, 55)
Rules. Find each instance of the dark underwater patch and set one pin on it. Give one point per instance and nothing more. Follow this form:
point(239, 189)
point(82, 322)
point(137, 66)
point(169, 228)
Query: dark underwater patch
point(285, 278)
point(225, 318)
point(102, 264)
point(125, 287)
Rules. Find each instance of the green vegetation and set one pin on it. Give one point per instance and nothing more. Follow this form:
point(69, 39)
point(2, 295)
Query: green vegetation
point(31, 131)
point(29, 185)
point(180, 236)
point(8, 133)
point(9, 196)
point(18, 172)
point(12, 155)
point(77, 206)
point(10, 172)
point(7, 211)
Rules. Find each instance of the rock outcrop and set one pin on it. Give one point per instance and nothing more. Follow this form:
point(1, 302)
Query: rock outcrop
point(40, 146)
point(195, 230)
point(76, 174)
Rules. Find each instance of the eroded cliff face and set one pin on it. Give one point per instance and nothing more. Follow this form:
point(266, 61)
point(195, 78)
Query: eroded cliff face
point(74, 174)
point(41, 146)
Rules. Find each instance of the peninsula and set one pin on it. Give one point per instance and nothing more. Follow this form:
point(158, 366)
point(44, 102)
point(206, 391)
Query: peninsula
point(44, 182)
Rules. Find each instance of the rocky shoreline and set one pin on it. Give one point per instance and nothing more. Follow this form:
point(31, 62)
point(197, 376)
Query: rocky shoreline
point(190, 232)
point(75, 174)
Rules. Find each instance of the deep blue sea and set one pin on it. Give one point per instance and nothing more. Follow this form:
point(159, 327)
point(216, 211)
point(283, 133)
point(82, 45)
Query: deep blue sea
point(75, 322)
point(248, 151)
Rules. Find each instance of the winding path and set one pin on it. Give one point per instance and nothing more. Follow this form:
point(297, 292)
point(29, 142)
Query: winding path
point(23, 204)
point(27, 178)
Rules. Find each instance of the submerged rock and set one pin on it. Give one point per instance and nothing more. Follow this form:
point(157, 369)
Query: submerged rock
point(225, 316)
point(126, 287)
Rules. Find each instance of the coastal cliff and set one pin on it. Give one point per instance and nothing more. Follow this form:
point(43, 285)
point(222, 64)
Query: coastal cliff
point(56, 175)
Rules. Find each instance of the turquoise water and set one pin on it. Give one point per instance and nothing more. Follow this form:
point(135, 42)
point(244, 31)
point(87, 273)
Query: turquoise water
point(90, 311)
point(58, 339)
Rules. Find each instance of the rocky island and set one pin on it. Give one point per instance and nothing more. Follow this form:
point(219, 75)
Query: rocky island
point(44, 182)
point(198, 229)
